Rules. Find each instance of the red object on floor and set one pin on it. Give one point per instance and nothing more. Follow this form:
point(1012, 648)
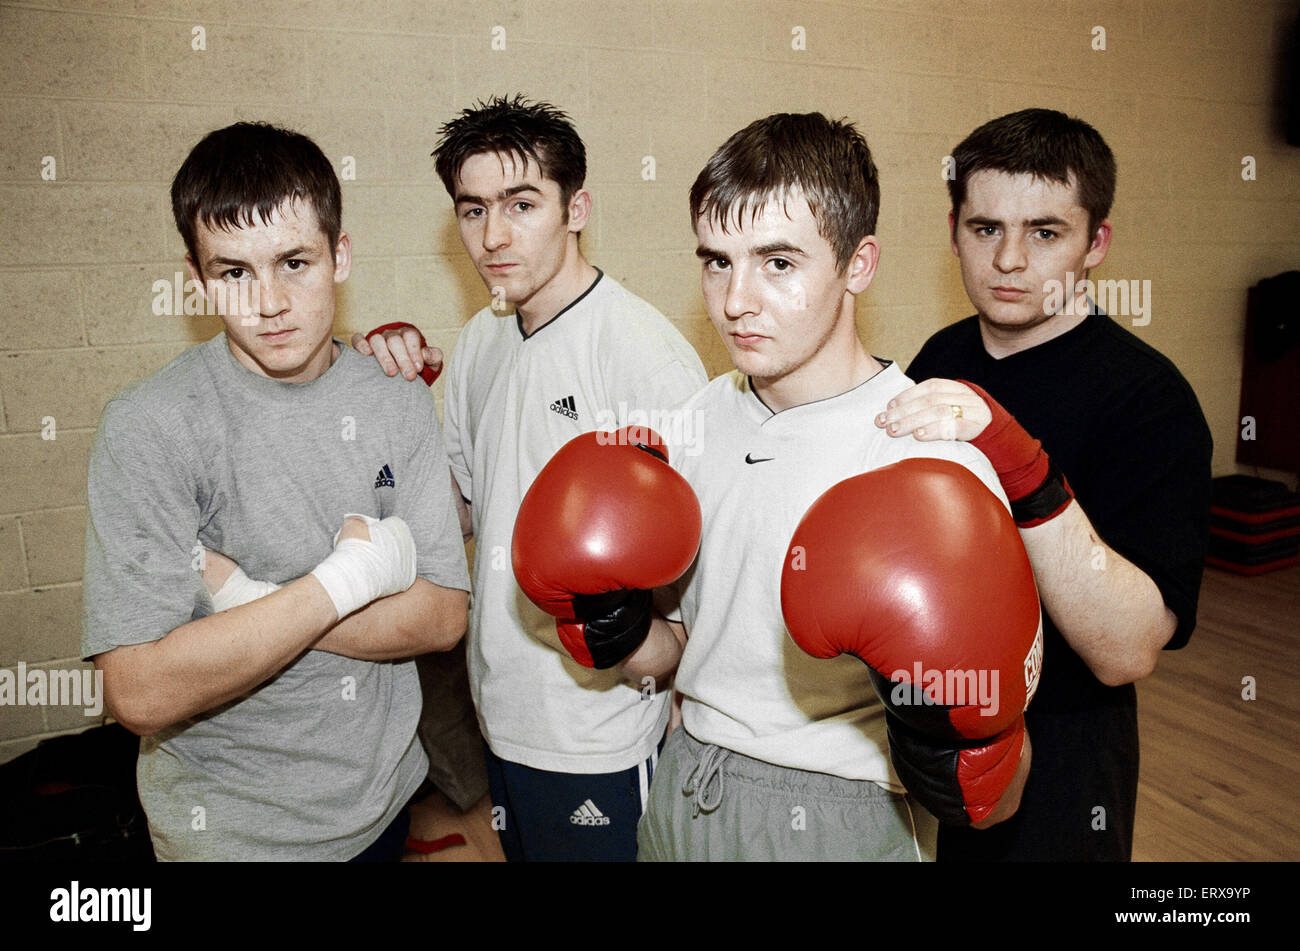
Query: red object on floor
point(434, 845)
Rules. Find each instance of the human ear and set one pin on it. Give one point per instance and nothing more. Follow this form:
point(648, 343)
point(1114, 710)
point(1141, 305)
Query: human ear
point(1100, 245)
point(579, 209)
point(342, 258)
point(862, 266)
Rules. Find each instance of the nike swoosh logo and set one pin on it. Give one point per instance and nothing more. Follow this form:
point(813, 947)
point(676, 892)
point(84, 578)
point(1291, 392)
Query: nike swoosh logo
point(749, 457)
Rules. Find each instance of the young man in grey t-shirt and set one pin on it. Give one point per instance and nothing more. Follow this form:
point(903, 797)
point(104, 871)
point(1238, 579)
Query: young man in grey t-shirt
point(277, 715)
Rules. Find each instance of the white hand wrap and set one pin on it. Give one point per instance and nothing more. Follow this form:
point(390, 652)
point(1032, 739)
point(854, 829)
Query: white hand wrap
point(240, 589)
point(358, 572)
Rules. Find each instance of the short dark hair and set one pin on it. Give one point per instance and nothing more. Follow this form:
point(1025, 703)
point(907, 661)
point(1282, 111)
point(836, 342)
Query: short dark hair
point(252, 168)
point(826, 159)
point(526, 131)
point(1046, 144)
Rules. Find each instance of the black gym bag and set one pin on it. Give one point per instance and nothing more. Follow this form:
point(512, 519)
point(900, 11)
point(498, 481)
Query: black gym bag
point(73, 798)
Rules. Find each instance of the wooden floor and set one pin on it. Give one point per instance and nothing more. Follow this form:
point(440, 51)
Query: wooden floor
point(1220, 774)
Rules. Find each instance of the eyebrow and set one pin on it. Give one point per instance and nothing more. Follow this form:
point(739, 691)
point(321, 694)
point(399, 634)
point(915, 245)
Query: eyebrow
point(980, 221)
point(776, 247)
point(298, 252)
point(501, 195)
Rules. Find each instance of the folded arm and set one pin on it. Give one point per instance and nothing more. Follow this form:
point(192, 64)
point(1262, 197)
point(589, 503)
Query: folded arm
point(210, 661)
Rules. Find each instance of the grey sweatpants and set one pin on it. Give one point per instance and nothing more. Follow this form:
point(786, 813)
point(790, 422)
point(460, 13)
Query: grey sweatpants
point(714, 805)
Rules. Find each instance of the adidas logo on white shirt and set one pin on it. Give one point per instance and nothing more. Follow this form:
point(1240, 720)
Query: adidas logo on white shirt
point(588, 815)
point(565, 407)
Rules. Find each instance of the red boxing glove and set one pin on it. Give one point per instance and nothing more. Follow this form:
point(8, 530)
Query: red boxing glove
point(427, 373)
point(1036, 489)
point(605, 521)
point(916, 569)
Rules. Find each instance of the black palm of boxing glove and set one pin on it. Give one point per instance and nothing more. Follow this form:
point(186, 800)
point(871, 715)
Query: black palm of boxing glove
point(613, 624)
point(958, 781)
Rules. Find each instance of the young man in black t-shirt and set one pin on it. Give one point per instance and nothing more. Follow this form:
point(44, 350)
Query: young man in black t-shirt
point(1112, 505)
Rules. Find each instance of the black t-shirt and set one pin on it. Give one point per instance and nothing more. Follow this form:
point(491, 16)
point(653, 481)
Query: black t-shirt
point(1122, 424)
point(1124, 427)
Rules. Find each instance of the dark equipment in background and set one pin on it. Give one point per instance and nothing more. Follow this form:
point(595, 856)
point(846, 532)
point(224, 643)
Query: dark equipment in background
point(1254, 525)
point(1270, 376)
point(73, 798)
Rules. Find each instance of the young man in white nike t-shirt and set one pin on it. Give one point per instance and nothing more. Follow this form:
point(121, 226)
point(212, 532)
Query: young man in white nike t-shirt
point(781, 756)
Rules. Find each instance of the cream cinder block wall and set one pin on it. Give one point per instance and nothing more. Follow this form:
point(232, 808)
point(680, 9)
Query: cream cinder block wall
point(100, 101)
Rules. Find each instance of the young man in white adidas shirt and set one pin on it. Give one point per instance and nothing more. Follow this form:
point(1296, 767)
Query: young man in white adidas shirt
point(570, 749)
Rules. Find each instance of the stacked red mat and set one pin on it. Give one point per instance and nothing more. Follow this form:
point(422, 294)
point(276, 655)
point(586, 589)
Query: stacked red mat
point(1254, 525)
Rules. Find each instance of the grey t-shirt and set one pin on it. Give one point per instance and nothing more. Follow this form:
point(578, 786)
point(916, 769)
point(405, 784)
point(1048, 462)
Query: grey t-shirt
point(315, 762)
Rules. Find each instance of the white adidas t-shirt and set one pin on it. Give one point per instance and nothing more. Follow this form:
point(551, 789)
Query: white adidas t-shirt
point(747, 686)
point(511, 403)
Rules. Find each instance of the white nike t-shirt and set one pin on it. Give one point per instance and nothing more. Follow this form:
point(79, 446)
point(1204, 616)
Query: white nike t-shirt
point(747, 686)
point(608, 360)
